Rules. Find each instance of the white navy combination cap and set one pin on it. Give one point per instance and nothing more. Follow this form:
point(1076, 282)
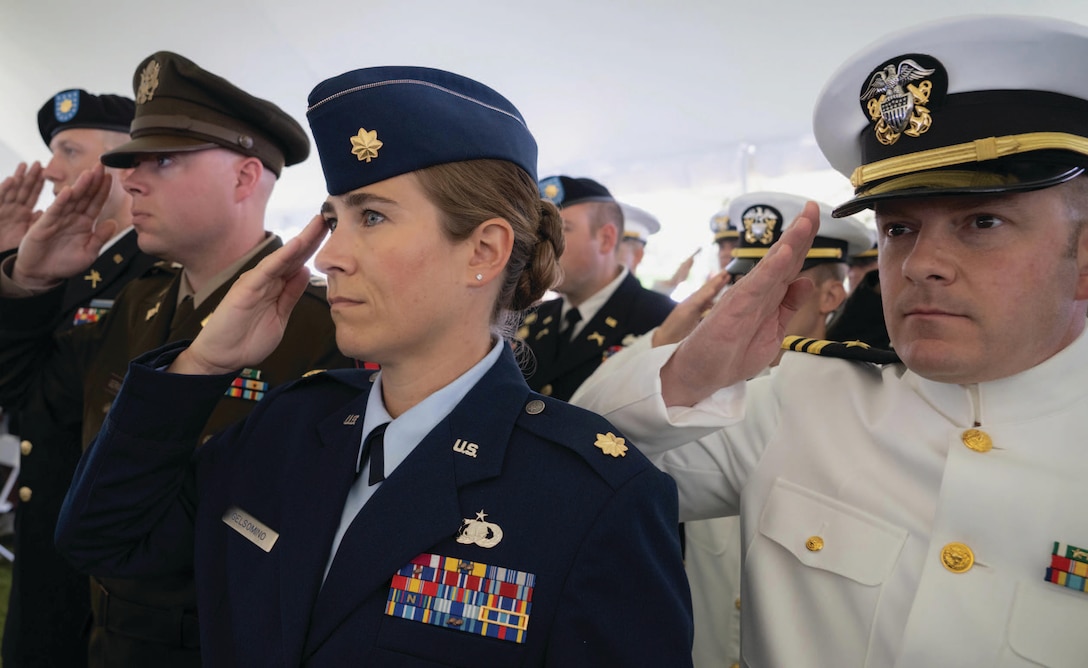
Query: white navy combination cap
point(721, 226)
point(638, 224)
point(763, 216)
point(969, 105)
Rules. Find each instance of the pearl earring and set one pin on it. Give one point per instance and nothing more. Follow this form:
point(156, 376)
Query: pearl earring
point(479, 277)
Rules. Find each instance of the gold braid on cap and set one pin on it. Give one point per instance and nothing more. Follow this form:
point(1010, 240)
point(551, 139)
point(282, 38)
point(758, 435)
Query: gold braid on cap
point(980, 150)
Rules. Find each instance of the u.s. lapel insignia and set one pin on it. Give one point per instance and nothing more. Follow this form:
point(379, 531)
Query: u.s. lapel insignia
point(365, 145)
point(478, 532)
point(546, 321)
point(541, 334)
point(611, 322)
point(465, 448)
point(596, 336)
point(153, 311)
point(610, 444)
point(94, 277)
point(1068, 567)
point(897, 93)
point(529, 319)
point(118, 258)
point(351, 419)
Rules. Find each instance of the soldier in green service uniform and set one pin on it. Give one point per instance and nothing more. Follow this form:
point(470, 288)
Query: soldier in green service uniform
point(202, 163)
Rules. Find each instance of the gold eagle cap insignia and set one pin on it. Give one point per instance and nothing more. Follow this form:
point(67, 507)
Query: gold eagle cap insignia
point(365, 145)
point(760, 223)
point(897, 103)
point(149, 82)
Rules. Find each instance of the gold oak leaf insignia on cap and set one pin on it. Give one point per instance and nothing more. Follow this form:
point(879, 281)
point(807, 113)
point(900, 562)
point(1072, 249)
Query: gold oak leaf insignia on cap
point(365, 145)
point(610, 444)
point(149, 81)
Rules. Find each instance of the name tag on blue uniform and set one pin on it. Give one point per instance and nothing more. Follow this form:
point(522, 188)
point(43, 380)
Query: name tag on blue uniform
point(251, 528)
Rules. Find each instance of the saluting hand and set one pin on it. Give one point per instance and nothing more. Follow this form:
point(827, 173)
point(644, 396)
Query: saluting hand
point(18, 195)
point(743, 332)
point(249, 323)
point(65, 240)
point(683, 319)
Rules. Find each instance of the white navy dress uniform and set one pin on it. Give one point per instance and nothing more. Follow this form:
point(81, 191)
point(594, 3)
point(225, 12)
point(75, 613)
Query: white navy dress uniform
point(888, 519)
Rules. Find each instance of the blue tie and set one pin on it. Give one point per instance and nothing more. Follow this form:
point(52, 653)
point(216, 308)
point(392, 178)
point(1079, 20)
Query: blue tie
point(374, 449)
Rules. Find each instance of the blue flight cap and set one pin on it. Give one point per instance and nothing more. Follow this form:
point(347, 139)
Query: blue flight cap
point(375, 123)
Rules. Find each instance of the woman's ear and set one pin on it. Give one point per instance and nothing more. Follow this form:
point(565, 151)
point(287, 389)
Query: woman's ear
point(491, 242)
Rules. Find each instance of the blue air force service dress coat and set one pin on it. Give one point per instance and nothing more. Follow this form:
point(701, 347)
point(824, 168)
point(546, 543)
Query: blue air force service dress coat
point(49, 605)
point(887, 519)
point(630, 311)
point(74, 377)
point(519, 532)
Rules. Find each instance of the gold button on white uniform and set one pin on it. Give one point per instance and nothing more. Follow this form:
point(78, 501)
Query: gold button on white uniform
point(957, 557)
point(25, 447)
point(25, 493)
point(737, 603)
point(977, 440)
point(814, 544)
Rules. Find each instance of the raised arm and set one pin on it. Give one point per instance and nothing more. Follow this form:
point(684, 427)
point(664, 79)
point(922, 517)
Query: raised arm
point(18, 195)
point(742, 333)
point(249, 323)
point(65, 240)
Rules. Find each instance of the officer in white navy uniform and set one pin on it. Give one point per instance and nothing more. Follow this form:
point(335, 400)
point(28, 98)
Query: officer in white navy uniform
point(922, 512)
point(434, 513)
point(638, 225)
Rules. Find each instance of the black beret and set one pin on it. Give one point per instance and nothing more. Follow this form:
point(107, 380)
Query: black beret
point(566, 191)
point(76, 108)
point(181, 107)
point(375, 123)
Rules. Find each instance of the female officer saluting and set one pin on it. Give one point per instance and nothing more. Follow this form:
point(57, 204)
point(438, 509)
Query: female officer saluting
point(435, 513)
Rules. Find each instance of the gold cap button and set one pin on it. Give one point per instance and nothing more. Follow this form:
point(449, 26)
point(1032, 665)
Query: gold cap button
point(534, 407)
point(546, 390)
point(957, 557)
point(25, 447)
point(977, 440)
point(25, 493)
point(814, 544)
point(737, 603)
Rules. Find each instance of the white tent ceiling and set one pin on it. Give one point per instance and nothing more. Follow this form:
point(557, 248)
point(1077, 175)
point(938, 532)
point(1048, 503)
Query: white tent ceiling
point(673, 104)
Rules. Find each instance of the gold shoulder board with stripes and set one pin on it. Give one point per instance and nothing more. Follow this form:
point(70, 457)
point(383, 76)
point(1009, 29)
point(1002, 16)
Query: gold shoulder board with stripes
point(850, 350)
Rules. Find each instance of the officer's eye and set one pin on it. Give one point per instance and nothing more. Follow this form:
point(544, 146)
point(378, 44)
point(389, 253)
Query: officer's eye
point(895, 230)
point(330, 223)
point(372, 218)
point(164, 160)
point(987, 222)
